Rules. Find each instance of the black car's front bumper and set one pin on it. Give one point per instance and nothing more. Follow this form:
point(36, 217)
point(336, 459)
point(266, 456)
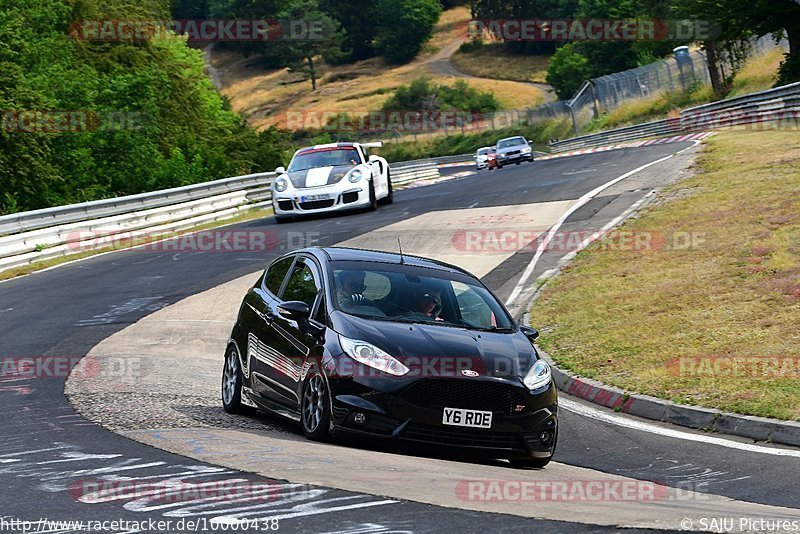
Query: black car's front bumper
point(523, 425)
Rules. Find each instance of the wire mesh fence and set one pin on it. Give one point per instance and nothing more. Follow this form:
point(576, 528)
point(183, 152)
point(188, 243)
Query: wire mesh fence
point(686, 70)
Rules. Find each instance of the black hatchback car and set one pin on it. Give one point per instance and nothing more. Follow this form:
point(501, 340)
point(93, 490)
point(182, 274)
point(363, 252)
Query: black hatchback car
point(348, 341)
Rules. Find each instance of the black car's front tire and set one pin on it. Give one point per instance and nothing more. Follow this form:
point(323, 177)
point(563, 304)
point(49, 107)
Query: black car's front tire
point(315, 407)
point(232, 384)
point(535, 463)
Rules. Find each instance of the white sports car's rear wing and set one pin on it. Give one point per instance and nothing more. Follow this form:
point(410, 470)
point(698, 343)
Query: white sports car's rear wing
point(376, 144)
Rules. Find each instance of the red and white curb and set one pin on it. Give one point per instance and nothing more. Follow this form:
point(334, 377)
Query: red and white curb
point(675, 139)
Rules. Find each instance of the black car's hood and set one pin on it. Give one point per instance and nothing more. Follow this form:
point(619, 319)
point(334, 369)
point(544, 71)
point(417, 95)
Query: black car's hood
point(441, 350)
point(318, 176)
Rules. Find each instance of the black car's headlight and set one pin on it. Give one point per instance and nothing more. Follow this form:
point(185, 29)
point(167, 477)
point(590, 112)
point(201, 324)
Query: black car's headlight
point(355, 175)
point(281, 184)
point(370, 355)
point(539, 376)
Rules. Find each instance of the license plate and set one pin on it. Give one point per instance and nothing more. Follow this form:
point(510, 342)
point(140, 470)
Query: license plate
point(471, 418)
point(311, 198)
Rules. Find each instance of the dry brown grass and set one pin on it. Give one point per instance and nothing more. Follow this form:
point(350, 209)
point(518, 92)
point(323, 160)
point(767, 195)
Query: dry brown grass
point(265, 96)
point(495, 61)
point(624, 317)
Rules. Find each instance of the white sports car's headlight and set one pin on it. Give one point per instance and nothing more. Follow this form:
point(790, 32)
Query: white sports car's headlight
point(526, 150)
point(281, 184)
point(370, 355)
point(355, 175)
point(539, 376)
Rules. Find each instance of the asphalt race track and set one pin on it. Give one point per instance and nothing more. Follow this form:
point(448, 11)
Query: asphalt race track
point(46, 447)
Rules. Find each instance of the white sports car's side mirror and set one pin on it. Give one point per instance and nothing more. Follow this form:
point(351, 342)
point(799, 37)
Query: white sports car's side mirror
point(280, 170)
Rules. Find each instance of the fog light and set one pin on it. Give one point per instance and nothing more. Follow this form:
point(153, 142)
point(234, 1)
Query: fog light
point(545, 436)
point(359, 418)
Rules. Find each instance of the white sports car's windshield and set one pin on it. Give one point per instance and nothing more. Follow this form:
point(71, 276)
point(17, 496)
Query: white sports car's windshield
point(417, 296)
point(324, 157)
point(514, 141)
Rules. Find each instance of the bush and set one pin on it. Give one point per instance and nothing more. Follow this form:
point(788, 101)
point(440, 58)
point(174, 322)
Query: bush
point(567, 71)
point(423, 94)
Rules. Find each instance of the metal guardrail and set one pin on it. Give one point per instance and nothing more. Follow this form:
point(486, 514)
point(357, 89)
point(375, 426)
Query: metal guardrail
point(773, 105)
point(48, 233)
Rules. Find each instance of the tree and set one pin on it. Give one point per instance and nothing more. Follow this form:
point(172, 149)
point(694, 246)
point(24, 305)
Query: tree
point(323, 38)
point(357, 18)
point(567, 70)
point(404, 26)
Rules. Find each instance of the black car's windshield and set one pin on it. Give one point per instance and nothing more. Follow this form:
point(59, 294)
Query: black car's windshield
point(514, 141)
point(417, 295)
point(324, 157)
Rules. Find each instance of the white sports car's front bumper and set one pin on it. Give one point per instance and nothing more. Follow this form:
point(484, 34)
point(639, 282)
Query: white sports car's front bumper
point(321, 199)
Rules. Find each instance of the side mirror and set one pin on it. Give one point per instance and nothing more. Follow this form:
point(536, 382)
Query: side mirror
point(530, 333)
point(280, 170)
point(294, 310)
point(373, 158)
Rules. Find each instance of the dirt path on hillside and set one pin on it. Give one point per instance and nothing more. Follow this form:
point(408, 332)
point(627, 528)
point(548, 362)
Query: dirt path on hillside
point(440, 63)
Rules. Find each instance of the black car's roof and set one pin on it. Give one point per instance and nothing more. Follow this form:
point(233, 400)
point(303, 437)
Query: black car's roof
point(357, 254)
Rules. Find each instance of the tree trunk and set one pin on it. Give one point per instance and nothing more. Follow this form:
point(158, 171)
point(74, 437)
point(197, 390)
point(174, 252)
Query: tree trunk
point(793, 35)
point(714, 68)
point(312, 72)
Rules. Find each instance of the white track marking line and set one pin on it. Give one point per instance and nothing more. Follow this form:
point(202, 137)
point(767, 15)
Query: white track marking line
point(581, 201)
point(623, 421)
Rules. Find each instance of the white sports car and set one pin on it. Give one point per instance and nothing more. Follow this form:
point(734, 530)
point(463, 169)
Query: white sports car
point(332, 177)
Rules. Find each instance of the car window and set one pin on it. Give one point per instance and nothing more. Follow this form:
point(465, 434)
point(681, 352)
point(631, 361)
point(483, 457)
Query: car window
point(324, 157)
point(301, 285)
point(473, 308)
point(276, 273)
point(321, 311)
point(405, 294)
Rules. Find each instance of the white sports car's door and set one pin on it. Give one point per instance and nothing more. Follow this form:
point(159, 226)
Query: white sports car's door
point(379, 177)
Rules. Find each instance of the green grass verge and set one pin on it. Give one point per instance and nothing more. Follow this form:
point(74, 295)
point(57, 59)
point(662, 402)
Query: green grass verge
point(629, 318)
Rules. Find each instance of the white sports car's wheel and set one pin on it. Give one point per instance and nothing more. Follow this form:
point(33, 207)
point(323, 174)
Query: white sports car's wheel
point(389, 198)
point(373, 200)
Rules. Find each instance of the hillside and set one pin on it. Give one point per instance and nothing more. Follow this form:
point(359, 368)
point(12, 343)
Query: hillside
point(264, 96)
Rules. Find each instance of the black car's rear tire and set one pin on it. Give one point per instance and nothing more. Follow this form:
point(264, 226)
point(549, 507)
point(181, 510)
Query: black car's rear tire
point(232, 384)
point(315, 407)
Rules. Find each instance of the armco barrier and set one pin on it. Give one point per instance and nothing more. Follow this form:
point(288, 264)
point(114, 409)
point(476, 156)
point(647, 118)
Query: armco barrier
point(53, 232)
point(781, 104)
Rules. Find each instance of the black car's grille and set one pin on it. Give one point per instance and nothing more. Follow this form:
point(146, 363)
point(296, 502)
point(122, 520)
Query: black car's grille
point(316, 204)
point(463, 437)
point(464, 393)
